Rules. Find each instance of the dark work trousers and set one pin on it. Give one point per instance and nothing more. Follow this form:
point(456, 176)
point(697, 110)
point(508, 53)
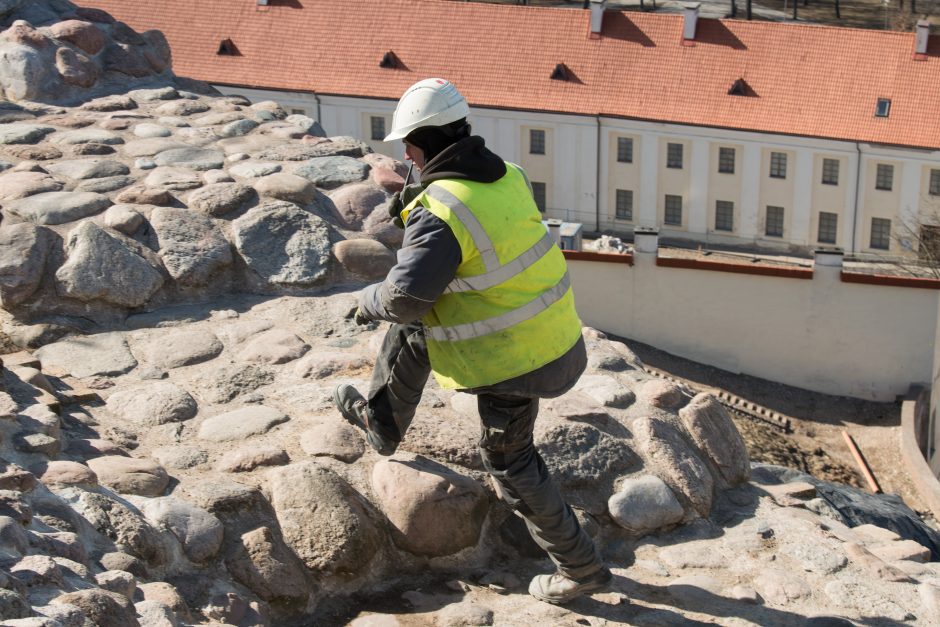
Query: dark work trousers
point(506, 445)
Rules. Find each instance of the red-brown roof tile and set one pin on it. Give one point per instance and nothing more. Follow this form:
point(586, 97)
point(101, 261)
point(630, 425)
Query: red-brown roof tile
point(807, 80)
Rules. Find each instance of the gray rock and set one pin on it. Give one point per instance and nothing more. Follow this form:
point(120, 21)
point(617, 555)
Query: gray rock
point(198, 531)
point(23, 133)
point(24, 72)
point(433, 510)
point(267, 567)
point(13, 605)
point(86, 136)
point(105, 185)
point(125, 527)
point(275, 346)
point(579, 454)
point(151, 146)
point(15, 185)
point(220, 198)
point(713, 431)
point(644, 504)
point(123, 218)
point(76, 68)
point(289, 187)
point(88, 168)
point(191, 245)
point(193, 158)
point(59, 207)
point(211, 177)
point(662, 394)
point(37, 443)
point(237, 128)
point(128, 475)
point(100, 267)
point(147, 130)
point(102, 608)
point(254, 169)
point(37, 570)
point(606, 390)
point(331, 172)
point(103, 354)
point(346, 539)
point(153, 95)
point(117, 102)
point(333, 146)
point(181, 107)
point(354, 203)
point(223, 384)
point(152, 403)
point(174, 178)
point(306, 124)
point(333, 439)
point(365, 257)
point(241, 423)
point(249, 458)
point(180, 456)
point(320, 364)
point(69, 473)
point(182, 347)
point(283, 244)
point(673, 460)
point(465, 614)
point(155, 614)
point(781, 588)
point(221, 117)
point(23, 252)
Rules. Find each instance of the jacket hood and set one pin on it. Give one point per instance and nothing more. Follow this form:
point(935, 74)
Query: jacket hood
point(467, 158)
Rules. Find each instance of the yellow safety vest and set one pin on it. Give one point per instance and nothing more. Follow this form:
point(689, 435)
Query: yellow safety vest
point(510, 309)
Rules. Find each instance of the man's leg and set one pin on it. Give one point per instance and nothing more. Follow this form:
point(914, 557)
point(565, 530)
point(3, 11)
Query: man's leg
point(511, 458)
point(401, 370)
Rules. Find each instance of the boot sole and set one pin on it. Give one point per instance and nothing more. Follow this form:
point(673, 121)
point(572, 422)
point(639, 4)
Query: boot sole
point(591, 588)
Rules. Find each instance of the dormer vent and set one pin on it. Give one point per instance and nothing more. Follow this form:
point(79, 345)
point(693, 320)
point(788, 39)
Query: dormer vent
point(560, 73)
point(738, 88)
point(691, 21)
point(597, 15)
point(389, 60)
point(921, 37)
point(227, 48)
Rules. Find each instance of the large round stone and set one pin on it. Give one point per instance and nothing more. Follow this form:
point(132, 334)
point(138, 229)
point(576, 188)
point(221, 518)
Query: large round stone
point(644, 504)
point(128, 475)
point(194, 158)
point(365, 257)
point(152, 403)
point(59, 207)
point(331, 172)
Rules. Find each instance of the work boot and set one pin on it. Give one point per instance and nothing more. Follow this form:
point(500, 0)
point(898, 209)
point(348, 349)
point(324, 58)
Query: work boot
point(559, 588)
point(355, 410)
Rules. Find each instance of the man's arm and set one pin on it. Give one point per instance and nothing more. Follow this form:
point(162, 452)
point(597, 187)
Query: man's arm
point(427, 263)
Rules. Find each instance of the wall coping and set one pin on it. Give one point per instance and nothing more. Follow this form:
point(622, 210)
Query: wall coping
point(885, 279)
point(583, 255)
point(721, 266)
point(926, 484)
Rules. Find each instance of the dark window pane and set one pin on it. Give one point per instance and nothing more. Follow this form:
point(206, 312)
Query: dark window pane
point(624, 204)
point(774, 225)
point(538, 192)
point(726, 160)
point(673, 215)
point(724, 215)
point(880, 233)
point(935, 182)
point(536, 142)
point(625, 150)
point(778, 165)
point(830, 173)
point(827, 228)
point(674, 156)
point(378, 127)
point(884, 178)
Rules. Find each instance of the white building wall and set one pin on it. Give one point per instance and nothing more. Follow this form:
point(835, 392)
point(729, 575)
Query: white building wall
point(578, 160)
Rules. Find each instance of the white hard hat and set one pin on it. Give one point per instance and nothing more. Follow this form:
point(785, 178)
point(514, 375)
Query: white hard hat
point(431, 102)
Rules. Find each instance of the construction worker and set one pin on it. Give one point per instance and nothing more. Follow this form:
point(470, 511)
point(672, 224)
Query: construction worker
point(480, 295)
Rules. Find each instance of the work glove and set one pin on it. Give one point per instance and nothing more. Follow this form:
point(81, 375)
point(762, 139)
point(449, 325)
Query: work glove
point(401, 200)
point(360, 317)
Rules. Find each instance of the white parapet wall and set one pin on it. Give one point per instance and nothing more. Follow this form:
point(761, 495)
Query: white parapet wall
point(820, 329)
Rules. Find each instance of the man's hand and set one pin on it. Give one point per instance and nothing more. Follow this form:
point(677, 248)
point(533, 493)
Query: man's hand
point(401, 200)
point(360, 318)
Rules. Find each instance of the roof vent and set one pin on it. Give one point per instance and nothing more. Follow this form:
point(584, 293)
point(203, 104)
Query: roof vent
point(597, 15)
point(883, 108)
point(560, 73)
point(262, 3)
point(922, 36)
point(691, 21)
point(389, 61)
point(227, 48)
point(739, 88)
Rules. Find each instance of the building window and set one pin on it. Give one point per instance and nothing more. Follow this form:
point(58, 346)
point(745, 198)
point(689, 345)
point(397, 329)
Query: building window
point(880, 233)
point(625, 149)
point(624, 204)
point(296, 111)
point(726, 160)
point(827, 228)
point(778, 165)
point(934, 189)
point(673, 215)
point(884, 177)
point(774, 224)
point(538, 193)
point(536, 142)
point(378, 127)
point(830, 173)
point(674, 156)
point(883, 108)
point(724, 215)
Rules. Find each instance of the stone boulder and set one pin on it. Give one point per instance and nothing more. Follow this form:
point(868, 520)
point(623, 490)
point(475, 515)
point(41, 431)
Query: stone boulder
point(23, 252)
point(127, 475)
point(59, 207)
point(365, 257)
point(101, 267)
point(329, 525)
point(217, 199)
point(102, 354)
point(433, 510)
point(241, 423)
point(275, 346)
point(713, 431)
point(101, 607)
point(644, 504)
point(331, 172)
point(283, 244)
point(15, 185)
point(355, 202)
point(288, 187)
point(152, 403)
point(192, 247)
point(199, 532)
point(178, 348)
point(81, 34)
point(675, 462)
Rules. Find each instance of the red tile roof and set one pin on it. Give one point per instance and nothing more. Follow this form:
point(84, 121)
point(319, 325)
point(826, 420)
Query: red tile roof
point(807, 80)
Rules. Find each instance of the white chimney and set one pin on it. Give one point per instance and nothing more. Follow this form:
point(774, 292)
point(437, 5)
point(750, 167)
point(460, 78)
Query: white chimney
point(923, 34)
point(597, 15)
point(691, 20)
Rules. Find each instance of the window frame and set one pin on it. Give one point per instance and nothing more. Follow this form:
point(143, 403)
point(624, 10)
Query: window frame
point(537, 141)
point(767, 221)
point(884, 177)
point(933, 183)
point(627, 211)
point(540, 195)
point(372, 123)
point(675, 156)
point(723, 167)
point(625, 149)
point(828, 178)
point(667, 209)
point(834, 227)
point(778, 165)
point(725, 205)
point(885, 238)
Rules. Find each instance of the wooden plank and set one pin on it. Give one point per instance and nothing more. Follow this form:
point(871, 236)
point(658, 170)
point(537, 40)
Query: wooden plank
point(862, 464)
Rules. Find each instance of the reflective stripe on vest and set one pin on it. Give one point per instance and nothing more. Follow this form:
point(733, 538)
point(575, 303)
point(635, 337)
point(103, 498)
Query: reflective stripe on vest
point(470, 222)
point(505, 272)
point(531, 309)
